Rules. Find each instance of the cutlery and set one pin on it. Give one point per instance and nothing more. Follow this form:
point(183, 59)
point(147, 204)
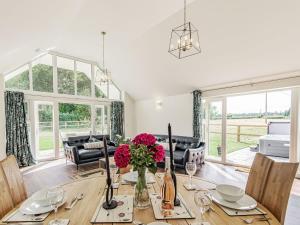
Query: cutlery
point(72, 201)
point(251, 220)
point(78, 198)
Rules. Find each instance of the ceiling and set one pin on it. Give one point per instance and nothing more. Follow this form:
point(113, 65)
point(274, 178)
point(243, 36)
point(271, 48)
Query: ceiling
point(240, 40)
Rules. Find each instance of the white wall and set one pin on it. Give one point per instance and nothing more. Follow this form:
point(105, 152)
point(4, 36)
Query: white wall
point(178, 110)
point(130, 118)
point(2, 120)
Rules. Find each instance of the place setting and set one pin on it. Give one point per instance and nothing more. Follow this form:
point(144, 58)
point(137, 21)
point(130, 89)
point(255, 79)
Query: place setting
point(38, 207)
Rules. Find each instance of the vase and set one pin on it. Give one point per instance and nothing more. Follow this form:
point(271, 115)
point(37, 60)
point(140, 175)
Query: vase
point(141, 194)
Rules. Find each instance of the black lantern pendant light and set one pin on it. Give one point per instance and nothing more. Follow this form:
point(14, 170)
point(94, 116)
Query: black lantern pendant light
point(184, 40)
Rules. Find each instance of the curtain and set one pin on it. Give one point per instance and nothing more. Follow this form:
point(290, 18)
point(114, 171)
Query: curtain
point(117, 120)
point(17, 143)
point(197, 114)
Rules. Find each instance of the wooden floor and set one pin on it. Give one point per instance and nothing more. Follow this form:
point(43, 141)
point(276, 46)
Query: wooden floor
point(56, 172)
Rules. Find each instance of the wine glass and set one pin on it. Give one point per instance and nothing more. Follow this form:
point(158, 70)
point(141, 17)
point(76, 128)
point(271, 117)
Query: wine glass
point(203, 201)
point(56, 197)
point(113, 170)
point(190, 168)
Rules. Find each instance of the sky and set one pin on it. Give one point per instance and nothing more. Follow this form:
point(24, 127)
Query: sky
point(255, 103)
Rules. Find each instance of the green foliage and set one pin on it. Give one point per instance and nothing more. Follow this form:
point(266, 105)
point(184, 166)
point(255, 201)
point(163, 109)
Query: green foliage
point(20, 81)
point(74, 112)
point(42, 78)
point(65, 80)
point(141, 157)
point(83, 84)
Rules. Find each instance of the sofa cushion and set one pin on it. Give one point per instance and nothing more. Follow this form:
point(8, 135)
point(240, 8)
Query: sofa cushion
point(90, 153)
point(94, 145)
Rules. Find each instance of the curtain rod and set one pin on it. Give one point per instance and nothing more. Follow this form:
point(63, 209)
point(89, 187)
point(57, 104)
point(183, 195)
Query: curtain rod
point(249, 84)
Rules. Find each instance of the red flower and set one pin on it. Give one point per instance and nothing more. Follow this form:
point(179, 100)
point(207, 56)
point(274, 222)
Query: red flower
point(144, 139)
point(122, 156)
point(159, 153)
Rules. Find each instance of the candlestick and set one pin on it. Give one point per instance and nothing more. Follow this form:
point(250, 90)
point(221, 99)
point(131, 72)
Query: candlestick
point(109, 202)
point(176, 200)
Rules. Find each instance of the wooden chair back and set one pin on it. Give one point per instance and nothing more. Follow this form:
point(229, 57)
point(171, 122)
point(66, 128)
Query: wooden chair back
point(14, 179)
point(5, 196)
point(278, 187)
point(258, 176)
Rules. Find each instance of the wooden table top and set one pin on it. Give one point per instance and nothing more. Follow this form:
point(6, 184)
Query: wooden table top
point(94, 188)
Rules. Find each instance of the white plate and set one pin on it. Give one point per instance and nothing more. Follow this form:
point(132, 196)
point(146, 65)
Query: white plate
point(31, 206)
point(133, 176)
point(158, 223)
point(245, 203)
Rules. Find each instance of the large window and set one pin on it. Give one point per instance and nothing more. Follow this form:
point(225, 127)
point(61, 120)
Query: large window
point(42, 74)
point(65, 76)
point(18, 79)
point(101, 88)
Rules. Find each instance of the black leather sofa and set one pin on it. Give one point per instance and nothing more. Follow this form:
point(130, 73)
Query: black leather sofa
point(186, 149)
point(75, 152)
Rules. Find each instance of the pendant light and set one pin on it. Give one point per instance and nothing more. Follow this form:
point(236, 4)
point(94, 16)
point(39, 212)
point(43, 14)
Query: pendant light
point(184, 40)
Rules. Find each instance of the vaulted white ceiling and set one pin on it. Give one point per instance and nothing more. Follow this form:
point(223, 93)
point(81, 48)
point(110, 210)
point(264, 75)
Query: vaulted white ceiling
point(239, 39)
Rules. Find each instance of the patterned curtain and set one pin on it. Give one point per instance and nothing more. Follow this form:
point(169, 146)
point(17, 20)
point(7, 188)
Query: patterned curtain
point(17, 143)
point(197, 114)
point(117, 120)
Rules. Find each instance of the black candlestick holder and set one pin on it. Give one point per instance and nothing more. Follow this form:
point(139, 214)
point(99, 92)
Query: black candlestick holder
point(109, 202)
point(176, 199)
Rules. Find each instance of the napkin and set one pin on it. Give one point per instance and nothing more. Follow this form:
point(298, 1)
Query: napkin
point(17, 216)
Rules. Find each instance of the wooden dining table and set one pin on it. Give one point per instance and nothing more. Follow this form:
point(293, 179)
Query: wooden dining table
point(93, 189)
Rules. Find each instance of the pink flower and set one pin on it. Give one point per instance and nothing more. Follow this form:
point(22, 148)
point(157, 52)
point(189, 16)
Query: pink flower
point(159, 153)
point(144, 139)
point(122, 156)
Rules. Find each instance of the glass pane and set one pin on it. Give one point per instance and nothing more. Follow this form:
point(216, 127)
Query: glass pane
point(74, 119)
point(99, 120)
point(45, 137)
point(18, 79)
point(42, 74)
point(106, 121)
point(65, 76)
point(215, 130)
point(100, 87)
point(245, 125)
point(279, 106)
point(114, 92)
point(83, 72)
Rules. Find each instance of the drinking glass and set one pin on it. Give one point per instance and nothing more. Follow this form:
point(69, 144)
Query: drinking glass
point(113, 170)
point(203, 202)
point(56, 197)
point(190, 168)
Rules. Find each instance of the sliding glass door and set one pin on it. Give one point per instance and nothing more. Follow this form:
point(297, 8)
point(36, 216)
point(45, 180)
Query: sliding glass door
point(44, 134)
point(214, 130)
point(237, 127)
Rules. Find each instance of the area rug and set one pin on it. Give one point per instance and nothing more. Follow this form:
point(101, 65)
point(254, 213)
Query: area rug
point(89, 173)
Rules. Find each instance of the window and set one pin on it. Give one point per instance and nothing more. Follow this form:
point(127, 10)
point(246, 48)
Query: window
point(74, 119)
point(278, 106)
point(18, 79)
point(114, 92)
point(65, 76)
point(83, 73)
point(42, 74)
point(100, 87)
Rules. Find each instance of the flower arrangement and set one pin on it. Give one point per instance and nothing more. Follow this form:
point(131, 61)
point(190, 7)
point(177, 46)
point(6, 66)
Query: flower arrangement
point(141, 152)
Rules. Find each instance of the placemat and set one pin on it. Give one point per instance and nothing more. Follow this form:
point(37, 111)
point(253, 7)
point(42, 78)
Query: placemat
point(123, 213)
point(17, 216)
point(180, 212)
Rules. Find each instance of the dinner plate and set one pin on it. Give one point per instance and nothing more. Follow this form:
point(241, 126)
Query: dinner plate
point(133, 176)
point(33, 205)
point(245, 203)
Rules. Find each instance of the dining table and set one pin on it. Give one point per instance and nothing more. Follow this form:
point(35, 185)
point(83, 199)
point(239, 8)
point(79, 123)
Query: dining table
point(93, 189)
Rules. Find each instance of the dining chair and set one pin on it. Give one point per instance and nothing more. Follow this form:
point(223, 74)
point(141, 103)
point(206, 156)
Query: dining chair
point(278, 187)
point(7, 203)
point(258, 176)
point(14, 179)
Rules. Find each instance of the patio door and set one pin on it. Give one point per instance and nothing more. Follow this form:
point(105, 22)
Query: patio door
point(44, 130)
point(214, 124)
